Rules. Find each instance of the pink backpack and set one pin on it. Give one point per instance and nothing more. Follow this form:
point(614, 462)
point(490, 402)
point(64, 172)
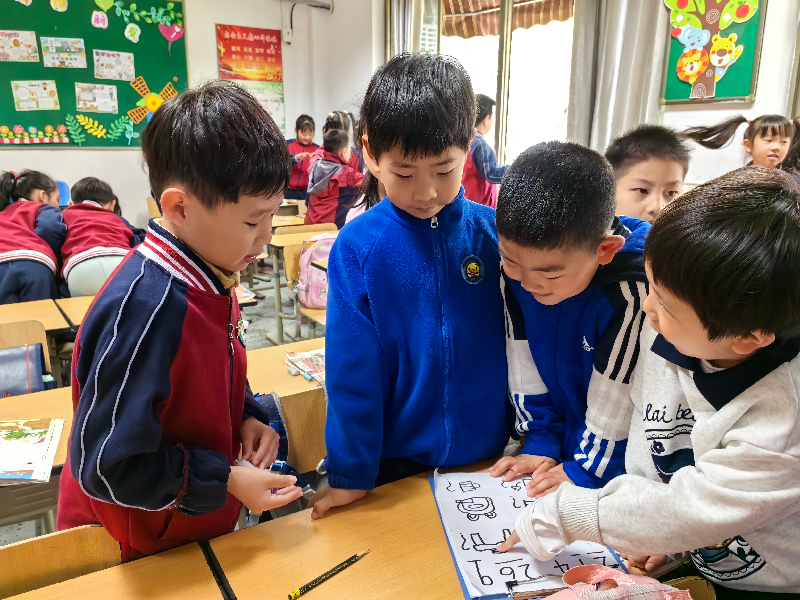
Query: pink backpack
point(312, 287)
point(615, 585)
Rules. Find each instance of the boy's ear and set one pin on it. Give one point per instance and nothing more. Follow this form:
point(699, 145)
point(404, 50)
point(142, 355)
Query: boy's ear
point(173, 205)
point(747, 344)
point(369, 159)
point(610, 245)
point(70, 203)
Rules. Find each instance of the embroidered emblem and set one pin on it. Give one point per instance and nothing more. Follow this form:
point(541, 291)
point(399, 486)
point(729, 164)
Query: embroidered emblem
point(586, 345)
point(240, 331)
point(472, 269)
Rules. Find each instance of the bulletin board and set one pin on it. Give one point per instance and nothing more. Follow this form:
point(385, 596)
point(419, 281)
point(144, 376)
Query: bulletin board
point(97, 72)
point(714, 50)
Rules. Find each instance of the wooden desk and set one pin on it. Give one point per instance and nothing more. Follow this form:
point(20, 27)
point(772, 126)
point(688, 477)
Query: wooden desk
point(398, 522)
point(280, 246)
point(179, 574)
point(279, 221)
point(44, 311)
point(288, 209)
point(303, 401)
point(321, 264)
point(53, 404)
point(75, 309)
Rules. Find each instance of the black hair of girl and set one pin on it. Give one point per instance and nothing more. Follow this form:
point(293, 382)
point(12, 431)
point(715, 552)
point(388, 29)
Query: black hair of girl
point(92, 188)
point(304, 122)
point(15, 187)
point(719, 136)
point(340, 119)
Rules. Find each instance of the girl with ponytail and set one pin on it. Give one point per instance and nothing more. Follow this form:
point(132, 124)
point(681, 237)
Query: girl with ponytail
point(32, 235)
point(772, 141)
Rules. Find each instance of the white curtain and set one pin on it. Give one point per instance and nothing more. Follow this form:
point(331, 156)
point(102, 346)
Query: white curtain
point(617, 65)
point(405, 33)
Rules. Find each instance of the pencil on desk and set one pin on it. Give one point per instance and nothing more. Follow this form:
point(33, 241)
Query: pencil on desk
point(325, 576)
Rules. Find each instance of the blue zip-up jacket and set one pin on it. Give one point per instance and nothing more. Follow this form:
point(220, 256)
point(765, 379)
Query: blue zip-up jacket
point(569, 365)
point(415, 350)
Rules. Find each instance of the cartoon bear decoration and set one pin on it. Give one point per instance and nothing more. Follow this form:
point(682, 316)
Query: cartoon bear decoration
point(724, 53)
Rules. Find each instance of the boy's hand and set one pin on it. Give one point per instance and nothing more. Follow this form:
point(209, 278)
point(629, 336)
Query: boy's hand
point(514, 466)
point(543, 483)
point(644, 564)
point(259, 443)
point(261, 490)
point(328, 497)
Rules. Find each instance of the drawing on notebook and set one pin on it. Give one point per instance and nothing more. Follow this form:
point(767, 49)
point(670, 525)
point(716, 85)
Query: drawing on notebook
point(478, 543)
point(469, 486)
point(475, 508)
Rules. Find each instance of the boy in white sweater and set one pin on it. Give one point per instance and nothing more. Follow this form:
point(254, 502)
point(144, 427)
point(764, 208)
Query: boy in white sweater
point(713, 457)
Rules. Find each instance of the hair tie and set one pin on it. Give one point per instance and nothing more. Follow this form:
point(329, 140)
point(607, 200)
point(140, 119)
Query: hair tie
point(14, 175)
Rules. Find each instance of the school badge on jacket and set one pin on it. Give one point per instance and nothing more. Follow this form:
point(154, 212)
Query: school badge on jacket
point(472, 269)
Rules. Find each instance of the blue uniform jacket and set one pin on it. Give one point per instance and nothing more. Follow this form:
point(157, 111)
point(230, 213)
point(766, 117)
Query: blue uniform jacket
point(415, 350)
point(569, 365)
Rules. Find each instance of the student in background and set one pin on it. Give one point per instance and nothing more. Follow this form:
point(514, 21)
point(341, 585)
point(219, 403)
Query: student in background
point(481, 173)
point(574, 284)
point(767, 139)
point(97, 238)
point(415, 370)
point(343, 120)
point(301, 148)
point(332, 181)
point(162, 404)
point(31, 234)
point(650, 163)
point(713, 461)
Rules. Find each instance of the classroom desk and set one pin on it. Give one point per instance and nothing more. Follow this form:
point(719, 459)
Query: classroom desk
point(321, 264)
point(303, 401)
point(179, 574)
point(53, 404)
point(44, 311)
point(288, 209)
point(278, 246)
point(279, 221)
point(75, 309)
point(398, 522)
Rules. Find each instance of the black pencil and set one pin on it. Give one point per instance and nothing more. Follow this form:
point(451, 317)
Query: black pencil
point(325, 576)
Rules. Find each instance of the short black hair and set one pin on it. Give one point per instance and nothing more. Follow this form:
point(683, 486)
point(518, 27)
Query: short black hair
point(645, 142)
point(335, 141)
point(92, 188)
point(304, 123)
point(484, 107)
point(421, 104)
point(219, 143)
point(730, 248)
point(557, 195)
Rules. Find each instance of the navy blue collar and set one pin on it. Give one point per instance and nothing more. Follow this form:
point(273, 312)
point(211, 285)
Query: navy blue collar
point(720, 387)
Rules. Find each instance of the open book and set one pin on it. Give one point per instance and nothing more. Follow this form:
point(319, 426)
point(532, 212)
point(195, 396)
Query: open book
point(310, 363)
point(27, 450)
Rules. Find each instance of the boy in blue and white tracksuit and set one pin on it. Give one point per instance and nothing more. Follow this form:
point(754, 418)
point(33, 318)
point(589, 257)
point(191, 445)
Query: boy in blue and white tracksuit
point(571, 351)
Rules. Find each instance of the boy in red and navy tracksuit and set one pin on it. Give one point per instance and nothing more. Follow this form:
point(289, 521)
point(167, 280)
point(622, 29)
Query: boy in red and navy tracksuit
point(162, 405)
point(300, 150)
point(31, 234)
point(97, 237)
point(481, 173)
point(333, 182)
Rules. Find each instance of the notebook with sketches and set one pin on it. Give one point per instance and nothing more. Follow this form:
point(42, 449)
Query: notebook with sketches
point(311, 363)
point(27, 450)
point(478, 513)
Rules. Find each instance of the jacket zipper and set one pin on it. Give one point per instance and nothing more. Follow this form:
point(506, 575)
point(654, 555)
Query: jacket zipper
point(445, 339)
point(230, 352)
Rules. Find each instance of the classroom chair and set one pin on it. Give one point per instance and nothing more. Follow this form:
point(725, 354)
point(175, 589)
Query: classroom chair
point(51, 559)
point(63, 188)
point(21, 333)
point(152, 208)
point(313, 316)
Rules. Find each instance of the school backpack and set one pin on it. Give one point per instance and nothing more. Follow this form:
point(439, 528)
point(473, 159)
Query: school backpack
point(312, 287)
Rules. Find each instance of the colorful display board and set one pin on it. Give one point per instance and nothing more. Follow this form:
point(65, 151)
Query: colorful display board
point(87, 72)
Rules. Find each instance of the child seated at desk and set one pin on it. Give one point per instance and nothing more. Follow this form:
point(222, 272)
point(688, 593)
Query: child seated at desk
point(162, 405)
point(97, 237)
point(574, 284)
point(415, 351)
point(32, 234)
point(713, 461)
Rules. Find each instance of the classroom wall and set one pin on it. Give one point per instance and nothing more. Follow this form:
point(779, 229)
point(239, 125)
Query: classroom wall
point(326, 67)
point(772, 95)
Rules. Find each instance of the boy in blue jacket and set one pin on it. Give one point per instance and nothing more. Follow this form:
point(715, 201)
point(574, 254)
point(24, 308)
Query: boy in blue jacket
point(416, 363)
point(574, 284)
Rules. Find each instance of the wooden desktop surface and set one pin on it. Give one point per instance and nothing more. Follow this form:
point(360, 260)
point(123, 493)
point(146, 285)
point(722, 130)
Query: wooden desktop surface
point(280, 240)
point(75, 308)
point(279, 221)
point(44, 311)
point(399, 524)
point(179, 574)
point(268, 372)
point(52, 404)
